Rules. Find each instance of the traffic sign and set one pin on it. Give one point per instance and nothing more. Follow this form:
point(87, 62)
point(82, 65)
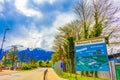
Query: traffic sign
point(62, 65)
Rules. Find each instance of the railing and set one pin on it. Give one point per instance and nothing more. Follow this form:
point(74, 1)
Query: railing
point(45, 73)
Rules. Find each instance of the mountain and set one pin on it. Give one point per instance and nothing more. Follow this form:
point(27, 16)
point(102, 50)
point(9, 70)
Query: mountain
point(37, 53)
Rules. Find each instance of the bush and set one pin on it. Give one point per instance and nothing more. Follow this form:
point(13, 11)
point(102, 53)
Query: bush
point(48, 63)
point(34, 66)
point(26, 67)
point(41, 63)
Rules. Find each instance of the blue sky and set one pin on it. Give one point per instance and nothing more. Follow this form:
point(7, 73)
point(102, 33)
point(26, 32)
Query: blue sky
point(34, 23)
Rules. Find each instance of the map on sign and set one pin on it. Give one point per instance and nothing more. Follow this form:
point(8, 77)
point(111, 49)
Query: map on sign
point(91, 55)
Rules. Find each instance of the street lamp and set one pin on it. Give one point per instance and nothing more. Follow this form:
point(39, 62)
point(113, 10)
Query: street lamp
point(3, 42)
point(4, 39)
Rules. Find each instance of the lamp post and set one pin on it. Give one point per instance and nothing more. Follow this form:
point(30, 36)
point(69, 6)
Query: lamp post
point(4, 39)
point(3, 42)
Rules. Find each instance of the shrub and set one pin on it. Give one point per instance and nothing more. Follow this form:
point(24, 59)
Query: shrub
point(26, 67)
point(39, 63)
point(34, 66)
point(48, 63)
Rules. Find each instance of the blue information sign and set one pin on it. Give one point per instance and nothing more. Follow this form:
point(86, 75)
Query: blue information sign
point(62, 65)
point(91, 55)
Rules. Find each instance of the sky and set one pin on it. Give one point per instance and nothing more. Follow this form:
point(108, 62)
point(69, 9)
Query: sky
point(34, 23)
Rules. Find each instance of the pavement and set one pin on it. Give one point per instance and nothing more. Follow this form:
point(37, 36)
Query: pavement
point(36, 74)
point(51, 75)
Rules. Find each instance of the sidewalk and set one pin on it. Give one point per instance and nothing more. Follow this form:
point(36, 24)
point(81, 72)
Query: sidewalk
point(51, 75)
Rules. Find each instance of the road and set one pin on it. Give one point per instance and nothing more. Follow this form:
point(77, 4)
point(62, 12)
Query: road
point(36, 74)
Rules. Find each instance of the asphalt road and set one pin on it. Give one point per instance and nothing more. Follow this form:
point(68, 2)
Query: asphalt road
point(24, 75)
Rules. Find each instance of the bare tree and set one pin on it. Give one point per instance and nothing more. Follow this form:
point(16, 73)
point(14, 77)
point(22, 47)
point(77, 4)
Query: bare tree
point(84, 13)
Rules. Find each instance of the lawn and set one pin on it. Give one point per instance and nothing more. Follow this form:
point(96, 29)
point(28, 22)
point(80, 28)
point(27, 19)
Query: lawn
point(77, 77)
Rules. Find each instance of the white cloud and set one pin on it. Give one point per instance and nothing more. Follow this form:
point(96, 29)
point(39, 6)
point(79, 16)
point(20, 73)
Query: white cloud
point(22, 7)
point(1, 1)
point(1, 8)
point(33, 37)
point(49, 33)
point(44, 1)
point(27, 37)
point(63, 18)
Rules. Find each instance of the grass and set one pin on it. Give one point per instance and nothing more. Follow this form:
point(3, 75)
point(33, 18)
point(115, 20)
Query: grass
point(69, 76)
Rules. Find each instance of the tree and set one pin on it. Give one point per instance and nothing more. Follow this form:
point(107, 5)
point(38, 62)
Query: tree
point(84, 13)
point(64, 44)
point(71, 53)
point(43, 64)
point(33, 63)
point(55, 57)
point(92, 21)
point(4, 59)
point(95, 18)
point(13, 54)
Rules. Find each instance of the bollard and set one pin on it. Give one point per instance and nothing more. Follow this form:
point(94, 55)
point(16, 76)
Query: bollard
point(45, 72)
